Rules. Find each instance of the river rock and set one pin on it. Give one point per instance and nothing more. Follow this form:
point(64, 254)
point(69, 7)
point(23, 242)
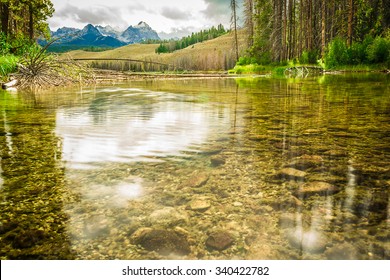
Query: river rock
point(162, 241)
point(168, 216)
point(213, 150)
point(27, 238)
point(343, 251)
point(291, 174)
point(197, 179)
point(258, 138)
point(308, 241)
point(200, 205)
point(305, 162)
point(316, 187)
point(217, 161)
point(287, 220)
point(219, 240)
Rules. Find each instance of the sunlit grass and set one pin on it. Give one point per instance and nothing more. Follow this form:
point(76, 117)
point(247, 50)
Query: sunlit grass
point(8, 65)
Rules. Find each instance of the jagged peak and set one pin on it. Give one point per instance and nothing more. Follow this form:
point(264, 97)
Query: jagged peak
point(142, 24)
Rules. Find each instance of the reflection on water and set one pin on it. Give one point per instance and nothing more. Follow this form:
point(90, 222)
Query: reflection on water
point(131, 127)
point(199, 169)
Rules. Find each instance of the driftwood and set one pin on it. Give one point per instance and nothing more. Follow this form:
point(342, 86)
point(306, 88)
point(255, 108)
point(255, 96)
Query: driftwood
point(11, 84)
point(40, 69)
point(303, 70)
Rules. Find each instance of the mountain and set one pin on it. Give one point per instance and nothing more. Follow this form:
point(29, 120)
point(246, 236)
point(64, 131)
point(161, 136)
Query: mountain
point(109, 31)
point(99, 36)
point(138, 33)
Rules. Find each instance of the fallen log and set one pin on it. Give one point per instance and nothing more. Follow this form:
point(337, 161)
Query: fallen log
point(10, 84)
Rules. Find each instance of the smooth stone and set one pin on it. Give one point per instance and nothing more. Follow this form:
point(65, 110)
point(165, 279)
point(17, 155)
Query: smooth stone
point(291, 174)
point(316, 187)
point(217, 161)
point(313, 131)
point(164, 242)
point(287, 220)
point(212, 150)
point(305, 162)
point(169, 216)
point(257, 138)
point(343, 251)
point(219, 240)
point(200, 205)
point(308, 241)
point(336, 153)
point(197, 180)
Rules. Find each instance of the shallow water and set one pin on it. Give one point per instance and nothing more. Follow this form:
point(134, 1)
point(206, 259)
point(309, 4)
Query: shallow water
point(257, 168)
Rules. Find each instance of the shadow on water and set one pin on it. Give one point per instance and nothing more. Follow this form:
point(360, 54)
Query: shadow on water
point(199, 169)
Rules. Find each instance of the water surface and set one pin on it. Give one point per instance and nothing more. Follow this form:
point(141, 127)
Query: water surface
point(198, 169)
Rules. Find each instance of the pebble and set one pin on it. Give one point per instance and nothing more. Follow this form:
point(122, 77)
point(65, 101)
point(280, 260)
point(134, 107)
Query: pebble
point(200, 205)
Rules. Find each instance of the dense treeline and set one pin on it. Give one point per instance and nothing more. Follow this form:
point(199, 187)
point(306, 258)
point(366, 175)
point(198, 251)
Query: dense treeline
point(22, 17)
point(198, 37)
point(281, 30)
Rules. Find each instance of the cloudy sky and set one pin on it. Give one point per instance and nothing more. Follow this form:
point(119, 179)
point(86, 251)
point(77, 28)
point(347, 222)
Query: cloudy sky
point(175, 17)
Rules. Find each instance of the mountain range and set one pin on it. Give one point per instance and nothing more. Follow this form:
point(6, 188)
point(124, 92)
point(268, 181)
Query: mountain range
point(99, 36)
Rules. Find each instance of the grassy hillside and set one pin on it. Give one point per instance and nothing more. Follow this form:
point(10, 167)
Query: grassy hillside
point(212, 55)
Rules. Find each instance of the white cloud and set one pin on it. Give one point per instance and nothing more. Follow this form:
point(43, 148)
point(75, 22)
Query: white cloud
point(166, 17)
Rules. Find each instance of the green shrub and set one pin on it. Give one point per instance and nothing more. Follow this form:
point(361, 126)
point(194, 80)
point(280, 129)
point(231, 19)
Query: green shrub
point(357, 53)
point(378, 51)
point(337, 53)
point(246, 60)
point(309, 57)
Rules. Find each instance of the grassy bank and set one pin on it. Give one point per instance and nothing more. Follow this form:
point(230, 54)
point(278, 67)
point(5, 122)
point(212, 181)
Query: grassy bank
point(8, 65)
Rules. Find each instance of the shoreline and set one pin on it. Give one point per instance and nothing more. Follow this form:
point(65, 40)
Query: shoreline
point(102, 76)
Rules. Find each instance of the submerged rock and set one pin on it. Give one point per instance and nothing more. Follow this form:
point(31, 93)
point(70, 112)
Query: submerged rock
point(168, 216)
point(27, 238)
point(162, 241)
point(316, 187)
point(196, 180)
point(307, 241)
point(213, 150)
point(200, 205)
point(305, 162)
point(217, 161)
point(219, 240)
point(291, 174)
point(343, 251)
